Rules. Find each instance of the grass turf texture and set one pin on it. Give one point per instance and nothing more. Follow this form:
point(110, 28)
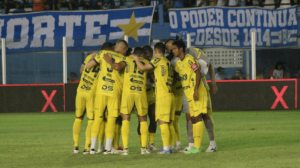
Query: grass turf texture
point(244, 139)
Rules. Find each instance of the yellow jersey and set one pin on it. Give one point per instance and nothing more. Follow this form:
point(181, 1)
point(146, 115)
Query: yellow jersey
point(177, 88)
point(134, 79)
point(110, 81)
point(187, 68)
point(88, 80)
point(163, 72)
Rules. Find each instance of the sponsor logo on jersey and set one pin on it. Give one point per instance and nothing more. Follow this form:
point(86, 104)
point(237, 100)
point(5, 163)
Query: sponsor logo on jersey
point(136, 81)
point(108, 80)
point(156, 60)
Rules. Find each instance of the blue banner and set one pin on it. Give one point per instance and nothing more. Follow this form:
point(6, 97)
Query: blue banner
point(232, 27)
point(84, 30)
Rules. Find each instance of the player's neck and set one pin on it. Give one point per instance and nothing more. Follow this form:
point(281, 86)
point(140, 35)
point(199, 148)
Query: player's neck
point(158, 56)
point(181, 55)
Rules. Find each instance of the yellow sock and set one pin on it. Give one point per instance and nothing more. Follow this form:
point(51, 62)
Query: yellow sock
point(151, 138)
point(101, 132)
point(165, 134)
point(117, 136)
point(144, 133)
point(125, 133)
point(105, 126)
point(140, 138)
point(96, 127)
point(76, 131)
point(88, 135)
point(176, 127)
point(172, 134)
point(198, 133)
point(110, 129)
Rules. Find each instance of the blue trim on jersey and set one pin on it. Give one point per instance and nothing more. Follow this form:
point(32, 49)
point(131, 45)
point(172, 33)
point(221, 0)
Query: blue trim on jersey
point(152, 65)
point(95, 61)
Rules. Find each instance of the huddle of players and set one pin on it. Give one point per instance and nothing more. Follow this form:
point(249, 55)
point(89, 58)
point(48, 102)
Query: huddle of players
point(116, 83)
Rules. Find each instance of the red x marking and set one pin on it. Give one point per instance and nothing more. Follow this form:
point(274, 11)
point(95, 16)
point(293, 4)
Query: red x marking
point(279, 97)
point(49, 101)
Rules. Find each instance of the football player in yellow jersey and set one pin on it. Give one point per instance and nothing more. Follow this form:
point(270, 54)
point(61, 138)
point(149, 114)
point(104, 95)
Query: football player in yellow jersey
point(134, 95)
point(151, 100)
point(206, 66)
point(165, 111)
point(84, 101)
point(194, 90)
point(108, 92)
point(178, 92)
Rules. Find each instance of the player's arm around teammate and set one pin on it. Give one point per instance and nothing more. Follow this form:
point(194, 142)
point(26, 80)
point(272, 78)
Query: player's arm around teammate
point(84, 104)
point(108, 94)
point(164, 97)
point(178, 94)
point(194, 90)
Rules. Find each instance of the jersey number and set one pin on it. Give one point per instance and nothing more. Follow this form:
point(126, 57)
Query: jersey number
point(95, 70)
point(135, 68)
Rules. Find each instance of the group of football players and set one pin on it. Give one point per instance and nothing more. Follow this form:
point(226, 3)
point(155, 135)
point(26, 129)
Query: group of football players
point(113, 83)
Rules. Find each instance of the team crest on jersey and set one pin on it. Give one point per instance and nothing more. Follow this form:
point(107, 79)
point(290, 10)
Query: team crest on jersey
point(156, 60)
point(190, 62)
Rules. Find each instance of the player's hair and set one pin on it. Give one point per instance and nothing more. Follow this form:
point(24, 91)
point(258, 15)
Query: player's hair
point(107, 46)
point(122, 42)
point(169, 40)
point(139, 51)
point(160, 47)
point(177, 38)
point(128, 52)
point(179, 44)
point(148, 48)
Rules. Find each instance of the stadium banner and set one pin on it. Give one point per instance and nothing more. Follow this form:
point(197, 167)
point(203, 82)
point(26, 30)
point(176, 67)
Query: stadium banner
point(32, 98)
point(232, 27)
point(84, 30)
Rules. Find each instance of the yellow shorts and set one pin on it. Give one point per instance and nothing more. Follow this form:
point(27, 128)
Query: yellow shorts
point(103, 102)
point(178, 103)
point(131, 100)
point(165, 108)
point(199, 106)
point(84, 103)
point(150, 95)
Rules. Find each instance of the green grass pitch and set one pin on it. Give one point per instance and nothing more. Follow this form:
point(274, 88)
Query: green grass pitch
point(262, 139)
